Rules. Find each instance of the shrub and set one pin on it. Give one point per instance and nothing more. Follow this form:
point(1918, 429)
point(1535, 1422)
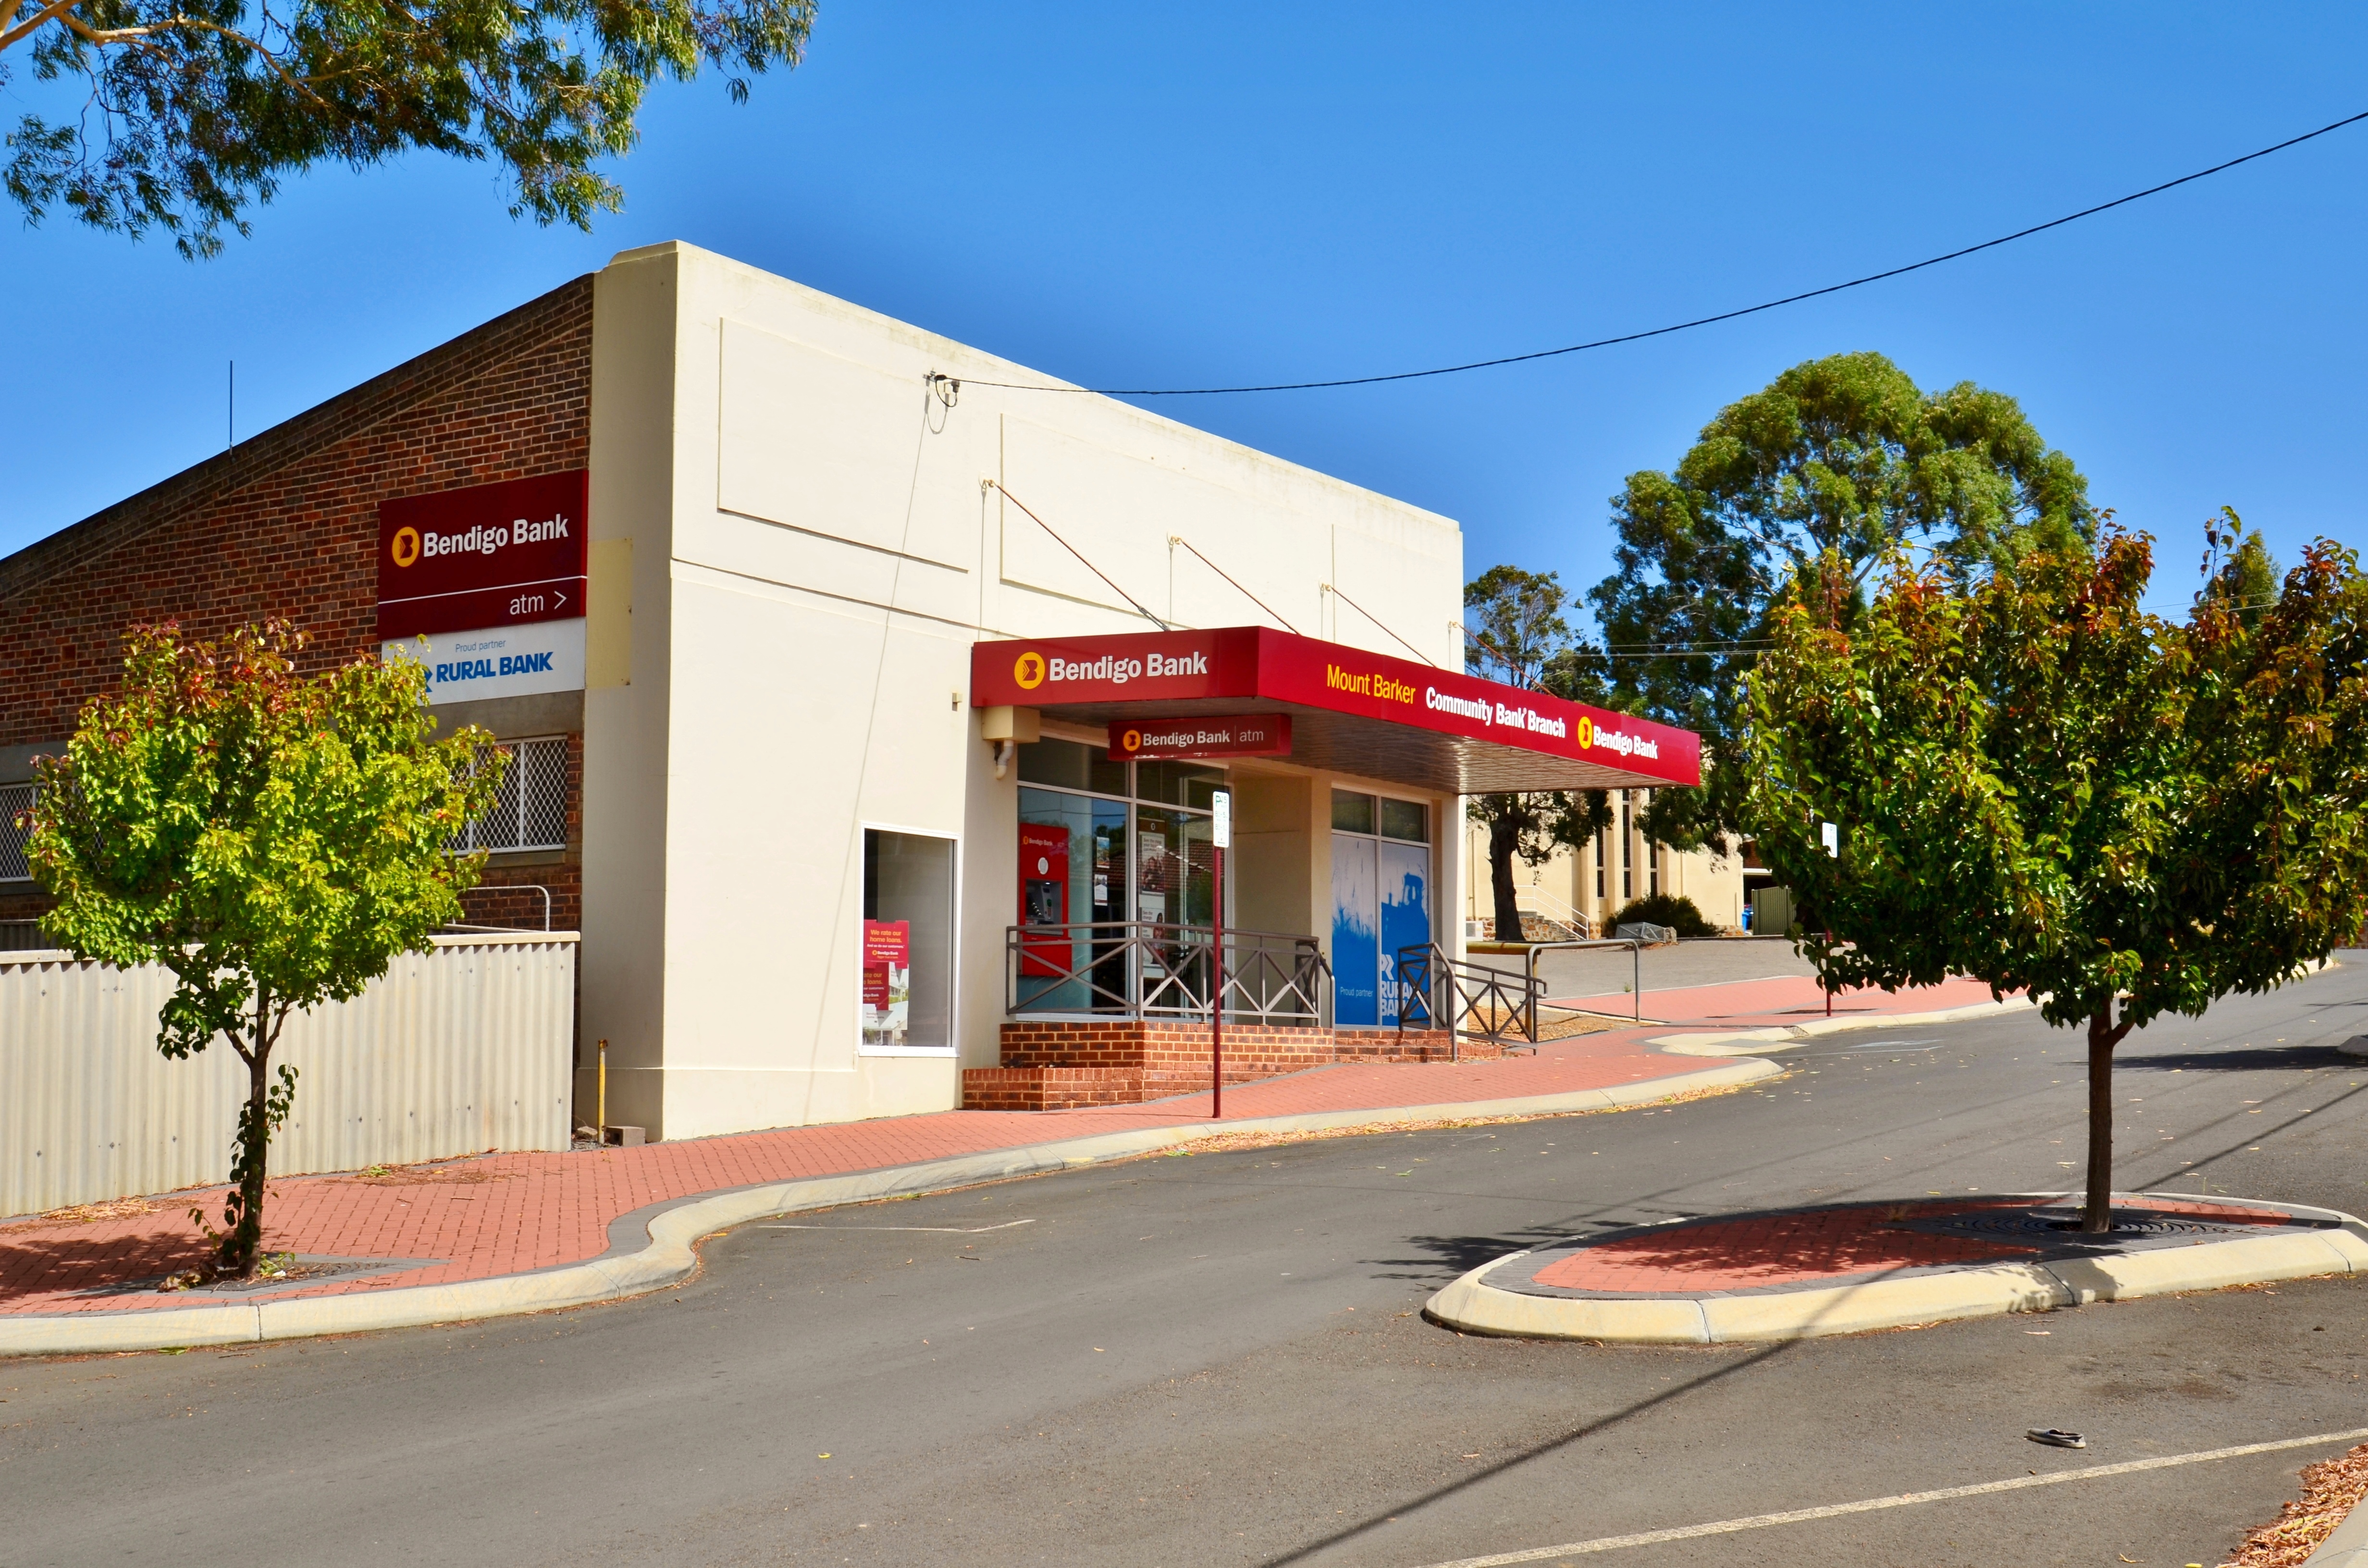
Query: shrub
point(1678, 913)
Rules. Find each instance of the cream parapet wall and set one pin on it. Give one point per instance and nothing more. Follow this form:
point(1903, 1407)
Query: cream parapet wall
point(812, 556)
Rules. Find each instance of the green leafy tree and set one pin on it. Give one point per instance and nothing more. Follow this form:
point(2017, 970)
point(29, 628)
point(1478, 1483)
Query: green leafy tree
point(194, 108)
point(1515, 633)
point(273, 839)
point(2040, 785)
point(1841, 456)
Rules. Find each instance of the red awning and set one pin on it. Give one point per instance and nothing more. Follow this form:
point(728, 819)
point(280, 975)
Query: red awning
point(1353, 711)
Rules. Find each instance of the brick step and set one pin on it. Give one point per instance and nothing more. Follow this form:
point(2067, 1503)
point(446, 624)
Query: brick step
point(1060, 1065)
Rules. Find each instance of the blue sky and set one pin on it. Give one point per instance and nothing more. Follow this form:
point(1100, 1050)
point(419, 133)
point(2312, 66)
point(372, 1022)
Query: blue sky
point(1209, 193)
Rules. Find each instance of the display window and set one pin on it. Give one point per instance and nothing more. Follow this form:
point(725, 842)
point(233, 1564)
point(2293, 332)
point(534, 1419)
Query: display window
point(906, 1000)
point(1381, 900)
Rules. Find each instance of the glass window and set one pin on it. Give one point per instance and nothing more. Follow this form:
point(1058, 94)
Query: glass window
point(1409, 820)
point(1177, 783)
point(14, 799)
point(1352, 812)
point(1172, 867)
point(1065, 764)
point(1073, 872)
point(907, 959)
point(529, 810)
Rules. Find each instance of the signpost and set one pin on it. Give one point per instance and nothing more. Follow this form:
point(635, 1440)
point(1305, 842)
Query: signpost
point(1221, 835)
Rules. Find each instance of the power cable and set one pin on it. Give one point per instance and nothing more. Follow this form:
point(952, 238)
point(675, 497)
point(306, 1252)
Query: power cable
point(1698, 321)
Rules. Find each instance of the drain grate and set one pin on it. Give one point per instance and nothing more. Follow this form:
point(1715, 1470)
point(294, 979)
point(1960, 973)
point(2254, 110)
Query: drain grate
point(2064, 1224)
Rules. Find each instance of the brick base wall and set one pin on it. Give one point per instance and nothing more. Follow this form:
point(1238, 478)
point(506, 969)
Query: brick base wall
point(1061, 1063)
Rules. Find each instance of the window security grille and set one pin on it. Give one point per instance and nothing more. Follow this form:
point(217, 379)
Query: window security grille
point(531, 812)
point(15, 798)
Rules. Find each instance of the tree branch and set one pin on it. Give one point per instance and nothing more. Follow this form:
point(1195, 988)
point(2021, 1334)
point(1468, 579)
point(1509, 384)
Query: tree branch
point(50, 13)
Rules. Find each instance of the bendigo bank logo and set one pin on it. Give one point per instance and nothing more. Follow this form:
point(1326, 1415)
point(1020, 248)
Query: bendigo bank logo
point(405, 546)
point(1131, 742)
point(1029, 671)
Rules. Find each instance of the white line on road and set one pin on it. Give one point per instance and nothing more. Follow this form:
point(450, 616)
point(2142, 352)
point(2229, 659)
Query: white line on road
point(1903, 1500)
point(933, 1229)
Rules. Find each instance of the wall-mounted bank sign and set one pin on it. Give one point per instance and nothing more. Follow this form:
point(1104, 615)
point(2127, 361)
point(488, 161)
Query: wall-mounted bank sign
point(507, 554)
point(1260, 665)
point(497, 661)
point(1249, 735)
point(485, 586)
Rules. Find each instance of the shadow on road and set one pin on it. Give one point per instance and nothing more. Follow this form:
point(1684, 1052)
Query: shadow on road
point(2246, 1059)
point(1538, 1450)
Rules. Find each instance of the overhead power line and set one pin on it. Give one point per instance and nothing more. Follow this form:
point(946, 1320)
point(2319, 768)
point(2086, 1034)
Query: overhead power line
point(1698, 321)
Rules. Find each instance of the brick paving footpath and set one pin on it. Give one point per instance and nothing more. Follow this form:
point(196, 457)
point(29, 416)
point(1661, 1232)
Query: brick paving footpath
point(507, 1214)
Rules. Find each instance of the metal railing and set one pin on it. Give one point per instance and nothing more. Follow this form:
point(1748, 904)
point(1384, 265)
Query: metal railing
point(501, 887)
point(1552, 910)
point(1147, 969)
point(1469, 1000)
point(1636, 949)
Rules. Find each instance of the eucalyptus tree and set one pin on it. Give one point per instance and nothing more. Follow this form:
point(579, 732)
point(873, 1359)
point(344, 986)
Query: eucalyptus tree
point(1842, 457)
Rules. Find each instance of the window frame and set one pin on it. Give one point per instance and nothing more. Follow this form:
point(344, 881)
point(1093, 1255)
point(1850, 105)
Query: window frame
point(16, 845)
point(466, 841)
point(952, 1050)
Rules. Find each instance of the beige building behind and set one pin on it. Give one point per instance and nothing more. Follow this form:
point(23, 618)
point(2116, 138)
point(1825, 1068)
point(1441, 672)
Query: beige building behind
point(1586, 888)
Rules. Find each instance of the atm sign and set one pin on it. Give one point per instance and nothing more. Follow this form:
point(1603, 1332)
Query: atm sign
point(1247, 734)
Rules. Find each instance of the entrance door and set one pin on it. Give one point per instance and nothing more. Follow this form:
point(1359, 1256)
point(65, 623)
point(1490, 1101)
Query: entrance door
point(1405, 914)
point(1356, 934)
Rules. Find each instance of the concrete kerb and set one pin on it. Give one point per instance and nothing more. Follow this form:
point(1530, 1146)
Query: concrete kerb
point(1784, 1037)
point(1472, 1306)
point(669, 1255)
point(2345, 1545)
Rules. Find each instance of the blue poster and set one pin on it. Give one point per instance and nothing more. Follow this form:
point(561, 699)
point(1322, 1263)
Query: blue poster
point(1406, 914)
point(1356, 943)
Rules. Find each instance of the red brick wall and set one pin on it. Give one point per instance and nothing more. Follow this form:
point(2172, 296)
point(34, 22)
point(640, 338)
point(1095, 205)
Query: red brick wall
point(1057, 1064)
point(286, 524)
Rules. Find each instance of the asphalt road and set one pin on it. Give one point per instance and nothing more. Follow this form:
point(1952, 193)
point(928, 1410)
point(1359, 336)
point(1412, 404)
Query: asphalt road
point(1217, 1359)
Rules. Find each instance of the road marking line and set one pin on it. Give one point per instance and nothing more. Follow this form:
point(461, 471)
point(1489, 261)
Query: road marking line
point(1902, 1500)
point(933, 1229)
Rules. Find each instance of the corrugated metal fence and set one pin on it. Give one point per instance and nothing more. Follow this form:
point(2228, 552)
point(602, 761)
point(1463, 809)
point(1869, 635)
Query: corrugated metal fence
point(465, 1048)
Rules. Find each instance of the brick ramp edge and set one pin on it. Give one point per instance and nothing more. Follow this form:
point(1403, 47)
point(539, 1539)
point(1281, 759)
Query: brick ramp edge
point(1751, 1042)
point(670, 1256)
point(1472, 1306)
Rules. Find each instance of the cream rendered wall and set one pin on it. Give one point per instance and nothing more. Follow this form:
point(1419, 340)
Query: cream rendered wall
point(823, 559)
point(623, 978)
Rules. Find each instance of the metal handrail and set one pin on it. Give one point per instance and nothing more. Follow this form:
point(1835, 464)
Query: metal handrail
point(1141, 969)
point(1570, 916)
point(1493, 996)
point(1636, 987)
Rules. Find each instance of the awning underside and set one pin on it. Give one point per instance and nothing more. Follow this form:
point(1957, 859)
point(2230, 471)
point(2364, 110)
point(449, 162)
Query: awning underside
point(1377, 749)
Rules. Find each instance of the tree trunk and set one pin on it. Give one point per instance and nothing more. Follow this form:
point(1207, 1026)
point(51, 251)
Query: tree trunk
point(235, 1255)
point(2097, 1211)
point(1504, 838)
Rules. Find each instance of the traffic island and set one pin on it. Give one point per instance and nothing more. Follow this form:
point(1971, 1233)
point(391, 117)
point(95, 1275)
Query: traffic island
point(1847, 1268)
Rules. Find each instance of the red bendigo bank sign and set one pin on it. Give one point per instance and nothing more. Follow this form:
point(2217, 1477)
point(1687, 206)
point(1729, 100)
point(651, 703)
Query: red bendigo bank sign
point(507, 554)
point(1256, 663)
